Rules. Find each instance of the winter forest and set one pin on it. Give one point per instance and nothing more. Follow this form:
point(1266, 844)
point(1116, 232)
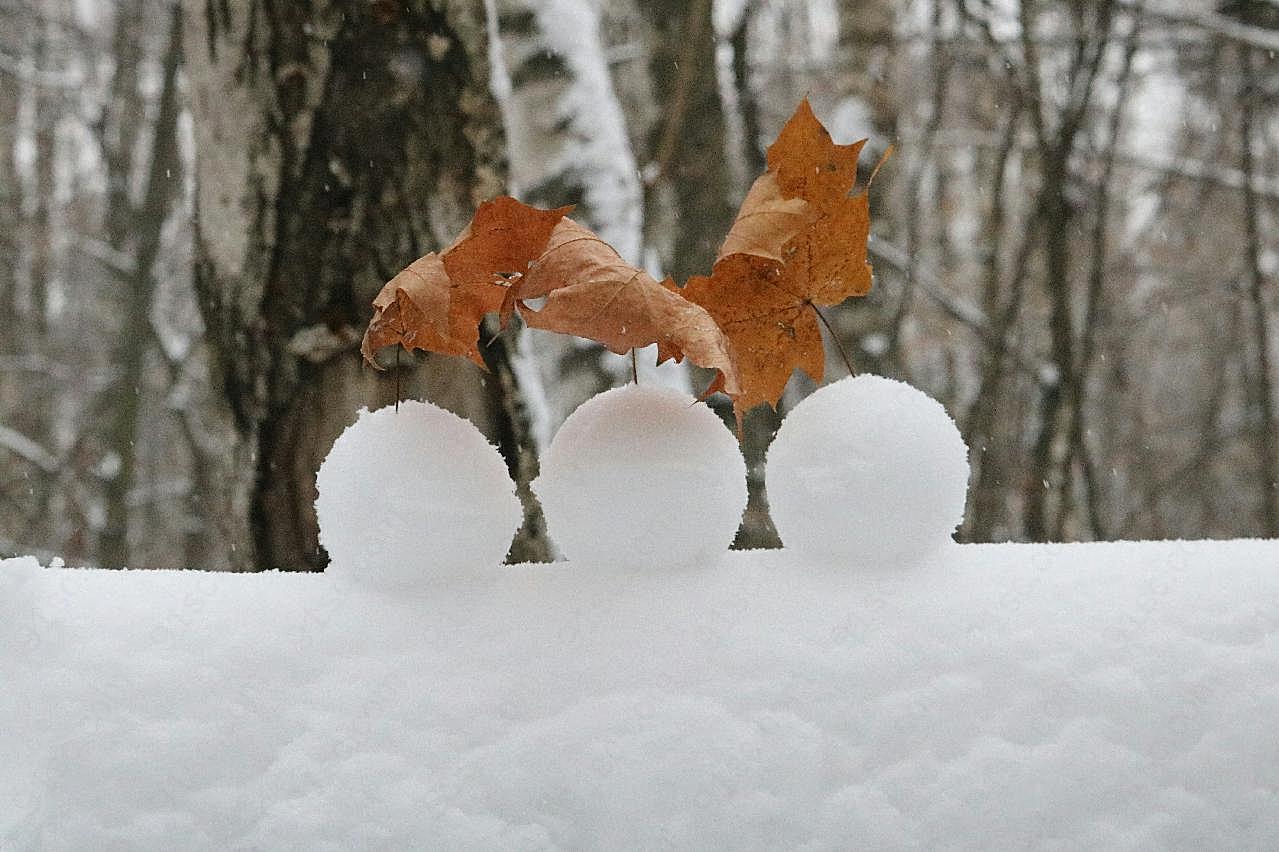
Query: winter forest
point(1074, 242)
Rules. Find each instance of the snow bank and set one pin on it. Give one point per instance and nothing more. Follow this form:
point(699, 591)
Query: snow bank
point(1075, 696)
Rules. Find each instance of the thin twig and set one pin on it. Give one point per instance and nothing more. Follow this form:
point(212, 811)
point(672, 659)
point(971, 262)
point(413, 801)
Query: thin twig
point(634, 367)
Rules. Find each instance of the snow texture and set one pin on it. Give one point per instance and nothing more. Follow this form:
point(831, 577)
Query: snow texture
point(414, 495)
point(867, 470)
point(640, 477)
point(1000, 697)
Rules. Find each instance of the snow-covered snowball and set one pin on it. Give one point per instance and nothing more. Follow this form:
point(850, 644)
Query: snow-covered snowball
point(867, 469)
point(642, 476)
point(414, 494)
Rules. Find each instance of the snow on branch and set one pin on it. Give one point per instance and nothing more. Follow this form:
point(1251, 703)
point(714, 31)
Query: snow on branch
point(1174, 165)
point(1200, 170)
point(1220, 25)
point(26, 448)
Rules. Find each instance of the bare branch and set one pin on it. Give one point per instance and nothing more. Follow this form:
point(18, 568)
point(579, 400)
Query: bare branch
point(1264, 186)
point(955, 307)
point(1219, 25)
point(26, 448)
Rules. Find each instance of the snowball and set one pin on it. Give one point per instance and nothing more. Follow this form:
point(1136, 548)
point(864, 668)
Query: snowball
point(641, 476)
point(412, 494)
point(867, 469)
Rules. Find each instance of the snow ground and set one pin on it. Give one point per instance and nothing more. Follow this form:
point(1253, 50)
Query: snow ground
point(1118, 696)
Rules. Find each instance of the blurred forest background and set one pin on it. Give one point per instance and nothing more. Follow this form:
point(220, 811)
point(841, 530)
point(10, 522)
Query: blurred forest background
point(1075, 241)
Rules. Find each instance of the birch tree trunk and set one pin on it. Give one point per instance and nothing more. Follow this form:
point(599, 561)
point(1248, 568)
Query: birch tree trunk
point(336, 142)
point(569, 144)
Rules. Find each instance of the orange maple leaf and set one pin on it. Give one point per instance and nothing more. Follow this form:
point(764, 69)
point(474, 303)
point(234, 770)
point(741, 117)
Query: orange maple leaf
point(590, 291)
point(412, 310)
point(511, 253)
point(799, 241)
point(437, 302)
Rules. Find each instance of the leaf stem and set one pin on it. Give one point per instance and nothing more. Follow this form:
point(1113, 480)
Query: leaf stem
point(843, 353)
point(634, 367)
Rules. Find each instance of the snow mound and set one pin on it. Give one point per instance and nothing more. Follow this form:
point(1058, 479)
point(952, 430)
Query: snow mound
point(413, 495)
point(867, 470)
point(642, 476)
point(1025, 697)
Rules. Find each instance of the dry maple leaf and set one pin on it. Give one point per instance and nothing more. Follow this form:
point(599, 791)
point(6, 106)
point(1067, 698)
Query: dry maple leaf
point(590, 291)
point(412, 310)
point(767, 221)
point(438, 301)
point(778, 263)
point(511, 252)
point(773, 330)
point(807, 162)
point(504, 237)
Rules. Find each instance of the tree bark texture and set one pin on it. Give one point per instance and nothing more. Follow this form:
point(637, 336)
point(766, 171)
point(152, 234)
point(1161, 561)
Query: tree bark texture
point(686, 154)
point(336, 142)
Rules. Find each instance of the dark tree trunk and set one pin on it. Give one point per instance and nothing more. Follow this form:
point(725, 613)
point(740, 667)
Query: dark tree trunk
point(10, 211)
point(142, 226)
point(1043, 486)
point(687, 150)
point(336, 142)
point(1263, 393)
point(41, 230)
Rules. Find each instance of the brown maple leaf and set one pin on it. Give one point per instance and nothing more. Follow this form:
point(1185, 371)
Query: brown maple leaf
point(590, 291)
point(438, 301)
point(504, 237)
point(778, 263)
point(767, 221)
point(809, 164)
point(412, 310)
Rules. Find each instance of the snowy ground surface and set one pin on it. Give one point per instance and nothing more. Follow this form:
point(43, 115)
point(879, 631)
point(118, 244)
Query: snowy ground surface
point(1076, 696)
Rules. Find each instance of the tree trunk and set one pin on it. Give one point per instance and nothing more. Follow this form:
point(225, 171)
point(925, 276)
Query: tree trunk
point(144, 225)
point(41, 230)
point(1263, 393)
point(10, 209)
point(687, 152)
point(569, 145)
point(1044, 485)
point(1040, 483)
point(336, 142)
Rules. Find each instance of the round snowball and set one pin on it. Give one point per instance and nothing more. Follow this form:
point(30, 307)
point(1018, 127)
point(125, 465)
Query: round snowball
point(867, 469)
point(415, 494)
point(642, 476)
